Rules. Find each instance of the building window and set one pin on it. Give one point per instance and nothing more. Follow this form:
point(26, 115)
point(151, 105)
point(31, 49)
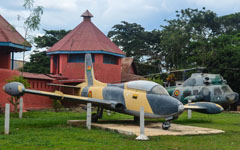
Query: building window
point(110, 59)
point(55, 60)
point(78, 58)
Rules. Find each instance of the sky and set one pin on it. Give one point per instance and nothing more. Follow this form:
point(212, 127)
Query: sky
point(65, 14)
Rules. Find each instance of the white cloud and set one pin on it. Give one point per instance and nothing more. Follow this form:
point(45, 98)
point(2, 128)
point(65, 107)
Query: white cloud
point(222, 7)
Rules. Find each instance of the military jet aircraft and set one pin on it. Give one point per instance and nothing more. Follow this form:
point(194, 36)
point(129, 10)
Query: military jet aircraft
point(204, 87)
point(125, 98)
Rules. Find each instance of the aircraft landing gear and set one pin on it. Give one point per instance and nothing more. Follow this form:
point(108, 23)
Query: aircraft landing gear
point(166, 125)
point(99, 114)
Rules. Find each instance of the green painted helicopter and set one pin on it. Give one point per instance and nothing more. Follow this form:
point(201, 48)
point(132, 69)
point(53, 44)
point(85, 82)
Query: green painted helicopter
point(205, 87)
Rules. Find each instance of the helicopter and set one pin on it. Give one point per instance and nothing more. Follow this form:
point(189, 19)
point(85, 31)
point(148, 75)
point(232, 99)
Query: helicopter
point(204, 87)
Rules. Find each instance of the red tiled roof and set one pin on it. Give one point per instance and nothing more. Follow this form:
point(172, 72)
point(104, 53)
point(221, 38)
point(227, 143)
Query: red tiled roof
point(127, 74)
point(9, 34)
point(36, 76)
point(57, 76)
point(86, 37)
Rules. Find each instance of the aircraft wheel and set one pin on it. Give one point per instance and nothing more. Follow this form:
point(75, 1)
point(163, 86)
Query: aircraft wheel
point(166, 125)
point(94, 117)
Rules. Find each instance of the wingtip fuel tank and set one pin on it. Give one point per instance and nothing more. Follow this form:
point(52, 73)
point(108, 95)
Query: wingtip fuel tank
point(14, 88)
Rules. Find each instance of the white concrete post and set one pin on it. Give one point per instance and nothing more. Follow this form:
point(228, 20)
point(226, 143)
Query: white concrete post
point(20, 107)
point(7, 119)
point(89, 115)
point(189, 110)
point(142, 135)
point(108, 112)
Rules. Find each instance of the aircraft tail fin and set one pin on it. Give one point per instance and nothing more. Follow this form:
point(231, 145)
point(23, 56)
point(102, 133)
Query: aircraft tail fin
point(89, 72)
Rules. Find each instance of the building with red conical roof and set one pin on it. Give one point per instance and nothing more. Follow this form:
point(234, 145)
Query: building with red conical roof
point(10, 41)
point(67, 55)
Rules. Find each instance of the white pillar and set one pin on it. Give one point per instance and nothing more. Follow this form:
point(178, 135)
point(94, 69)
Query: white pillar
point(7, 119)
point(108, 112)
point(20, 107)
point(142, 135)
point(189, 110)
point(89, 116)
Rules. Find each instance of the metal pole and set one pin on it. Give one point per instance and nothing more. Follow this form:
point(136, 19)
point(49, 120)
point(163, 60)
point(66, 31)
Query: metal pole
point(189, 110)
point(20, 107)
point(142, 135)
point(12, 61)
point(89, 115)
point(7, 119)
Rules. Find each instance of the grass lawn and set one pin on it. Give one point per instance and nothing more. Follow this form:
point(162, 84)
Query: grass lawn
point(48, 130)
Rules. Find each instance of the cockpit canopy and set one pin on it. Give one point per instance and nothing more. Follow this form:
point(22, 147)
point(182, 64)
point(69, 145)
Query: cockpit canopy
point(148, 86)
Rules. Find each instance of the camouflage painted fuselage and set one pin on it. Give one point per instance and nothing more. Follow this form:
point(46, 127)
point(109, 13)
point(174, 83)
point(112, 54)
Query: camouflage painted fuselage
point(129, 100)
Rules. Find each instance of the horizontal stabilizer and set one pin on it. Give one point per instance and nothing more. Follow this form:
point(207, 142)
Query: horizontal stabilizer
point(204, 107)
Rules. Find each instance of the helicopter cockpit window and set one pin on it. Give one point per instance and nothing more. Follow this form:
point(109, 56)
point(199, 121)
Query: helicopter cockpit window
point(195, 92)
point(190, 82)
point(217, 91)
point(186, 93)
point(158, 89)
point(226, 89)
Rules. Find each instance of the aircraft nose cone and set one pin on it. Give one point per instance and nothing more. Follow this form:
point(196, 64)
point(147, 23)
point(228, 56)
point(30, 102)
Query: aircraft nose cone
point(180, 108)
point(232, 98)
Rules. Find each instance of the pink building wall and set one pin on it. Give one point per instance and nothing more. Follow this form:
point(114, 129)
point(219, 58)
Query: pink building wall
point(107, 73)
point(30, 101)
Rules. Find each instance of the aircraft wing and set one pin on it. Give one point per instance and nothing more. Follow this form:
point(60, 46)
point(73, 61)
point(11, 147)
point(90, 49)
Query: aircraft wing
point(204, 107)
point(17, 89)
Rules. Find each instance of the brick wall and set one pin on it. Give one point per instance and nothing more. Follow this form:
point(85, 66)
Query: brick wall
point(107, 73)
point(30, 101)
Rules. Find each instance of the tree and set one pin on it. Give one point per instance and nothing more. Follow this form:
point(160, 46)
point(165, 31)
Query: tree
point(32, 22)
point(225, 59)
point(49, 38)
point(39, 63)
point(230, 23)
point(130, 37)
point(187, 36)
point(14, 100)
